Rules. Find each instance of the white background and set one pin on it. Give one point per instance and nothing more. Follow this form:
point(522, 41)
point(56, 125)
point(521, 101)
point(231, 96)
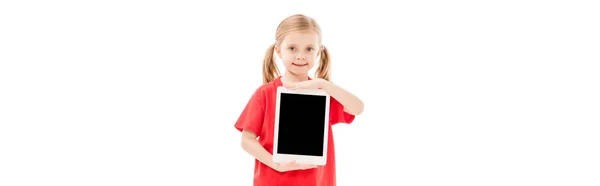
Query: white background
point(147, 92)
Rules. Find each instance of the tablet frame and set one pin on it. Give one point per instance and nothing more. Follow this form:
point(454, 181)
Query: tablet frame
point(301, 159)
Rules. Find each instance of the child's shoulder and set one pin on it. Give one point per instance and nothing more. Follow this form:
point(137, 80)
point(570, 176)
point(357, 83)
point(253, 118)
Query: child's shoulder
point(266, 90)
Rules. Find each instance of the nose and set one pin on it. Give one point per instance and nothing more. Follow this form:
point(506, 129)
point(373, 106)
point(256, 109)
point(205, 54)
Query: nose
point(300, 57)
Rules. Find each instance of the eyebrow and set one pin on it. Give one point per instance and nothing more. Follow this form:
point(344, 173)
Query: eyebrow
point(310, 45)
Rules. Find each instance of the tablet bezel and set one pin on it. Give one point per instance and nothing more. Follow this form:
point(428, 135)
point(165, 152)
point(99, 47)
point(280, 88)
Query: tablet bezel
point(301, 159)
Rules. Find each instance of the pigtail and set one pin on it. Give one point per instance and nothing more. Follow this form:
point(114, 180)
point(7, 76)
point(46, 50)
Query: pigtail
point(324, 64)
point(270, 71)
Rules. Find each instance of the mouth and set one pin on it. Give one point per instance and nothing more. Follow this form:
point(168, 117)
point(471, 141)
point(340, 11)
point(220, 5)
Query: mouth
point(300, 65)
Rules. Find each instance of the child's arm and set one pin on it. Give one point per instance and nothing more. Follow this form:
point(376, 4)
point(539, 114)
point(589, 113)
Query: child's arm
point(251, 145)
point(352, 104)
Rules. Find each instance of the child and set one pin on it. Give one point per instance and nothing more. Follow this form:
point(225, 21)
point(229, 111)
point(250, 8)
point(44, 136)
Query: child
point(298, 44)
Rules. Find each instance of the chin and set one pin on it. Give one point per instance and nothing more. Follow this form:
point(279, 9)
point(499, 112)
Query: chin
point(296, 72)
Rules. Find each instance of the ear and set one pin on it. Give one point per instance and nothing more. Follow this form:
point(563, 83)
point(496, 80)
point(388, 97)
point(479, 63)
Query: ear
point(321, 48)
point(278, 51)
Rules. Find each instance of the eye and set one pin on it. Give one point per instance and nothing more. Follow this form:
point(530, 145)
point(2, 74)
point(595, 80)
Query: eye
point(291, 48)
point(310, 49)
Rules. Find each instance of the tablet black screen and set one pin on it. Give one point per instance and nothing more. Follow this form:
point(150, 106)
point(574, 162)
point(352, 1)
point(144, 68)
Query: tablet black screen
point(301, 124)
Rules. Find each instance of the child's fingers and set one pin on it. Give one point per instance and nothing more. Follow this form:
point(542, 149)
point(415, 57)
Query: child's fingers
point(307, 166)
point(292, 163)
point(288, 85)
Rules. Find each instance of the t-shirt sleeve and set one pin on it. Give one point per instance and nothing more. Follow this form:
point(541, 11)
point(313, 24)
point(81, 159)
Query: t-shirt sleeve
point(252, 116)
point(337, 113)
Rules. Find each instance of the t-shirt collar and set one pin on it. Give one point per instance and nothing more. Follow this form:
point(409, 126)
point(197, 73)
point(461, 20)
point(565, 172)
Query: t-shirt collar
point(279, 83)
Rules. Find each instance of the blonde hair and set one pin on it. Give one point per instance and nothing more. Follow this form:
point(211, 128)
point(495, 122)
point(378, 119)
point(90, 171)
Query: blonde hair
point(297, 22)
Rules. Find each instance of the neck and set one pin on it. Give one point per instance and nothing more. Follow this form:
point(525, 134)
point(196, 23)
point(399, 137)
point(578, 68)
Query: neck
point(293, 78)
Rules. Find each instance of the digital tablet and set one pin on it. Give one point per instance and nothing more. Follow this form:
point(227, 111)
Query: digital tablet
point(301, 126)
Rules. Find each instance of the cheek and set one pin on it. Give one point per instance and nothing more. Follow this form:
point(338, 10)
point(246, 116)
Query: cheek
point(288, 60)
point(286, 56)
point(313, 59)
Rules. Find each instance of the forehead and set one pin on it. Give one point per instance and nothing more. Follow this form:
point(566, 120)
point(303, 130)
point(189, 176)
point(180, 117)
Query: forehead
point(301, 38)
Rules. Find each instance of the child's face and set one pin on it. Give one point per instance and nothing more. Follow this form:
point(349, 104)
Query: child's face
point(299, 51)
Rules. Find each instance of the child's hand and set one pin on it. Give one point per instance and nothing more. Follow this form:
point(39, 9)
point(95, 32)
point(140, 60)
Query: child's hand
point(310, 84)
point(292, 166)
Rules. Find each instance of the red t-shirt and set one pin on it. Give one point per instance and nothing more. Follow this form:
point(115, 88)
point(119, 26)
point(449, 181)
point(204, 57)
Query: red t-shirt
point(259, 117)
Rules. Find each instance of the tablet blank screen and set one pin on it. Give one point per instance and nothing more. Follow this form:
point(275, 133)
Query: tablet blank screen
point(301, 124)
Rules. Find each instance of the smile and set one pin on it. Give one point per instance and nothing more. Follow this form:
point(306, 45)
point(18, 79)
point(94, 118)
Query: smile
point(300, 65)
